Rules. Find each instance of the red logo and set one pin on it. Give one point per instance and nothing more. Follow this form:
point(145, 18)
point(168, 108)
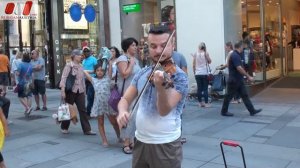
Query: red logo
point(10, 7)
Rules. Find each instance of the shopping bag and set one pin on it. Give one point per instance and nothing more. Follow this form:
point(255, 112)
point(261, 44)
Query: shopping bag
point(63, 112)
point(73, 113)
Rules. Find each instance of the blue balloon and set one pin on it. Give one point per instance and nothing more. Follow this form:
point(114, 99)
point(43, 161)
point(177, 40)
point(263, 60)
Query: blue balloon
point(75, 12)
point(90, 13)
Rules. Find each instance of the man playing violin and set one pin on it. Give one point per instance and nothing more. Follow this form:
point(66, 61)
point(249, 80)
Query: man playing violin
point(158, 122)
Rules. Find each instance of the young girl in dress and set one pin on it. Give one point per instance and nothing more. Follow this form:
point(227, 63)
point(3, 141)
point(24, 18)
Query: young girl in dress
point(100, 107)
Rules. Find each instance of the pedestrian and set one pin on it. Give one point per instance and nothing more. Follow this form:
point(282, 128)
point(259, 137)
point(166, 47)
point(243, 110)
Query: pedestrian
point(179, 60)
point(269, 52)
point(115, 53)
point(39, 83)
point(4, 104)
point(143, 53)
point(101, 84)
point(229, 50)
point(6, 133)
point(4, 67)
point(11, 60)
point(24, 74)
point(235, 83)
point(201, 61)
point(158, 122)
point(88, 64)
point(127, 67)
point(77, 95)
point(15, 65)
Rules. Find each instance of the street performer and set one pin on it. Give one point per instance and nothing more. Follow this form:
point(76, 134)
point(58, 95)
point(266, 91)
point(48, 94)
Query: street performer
point(158, 122)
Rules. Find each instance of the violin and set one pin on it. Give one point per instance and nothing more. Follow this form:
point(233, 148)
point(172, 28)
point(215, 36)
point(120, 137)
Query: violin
point(169, 68)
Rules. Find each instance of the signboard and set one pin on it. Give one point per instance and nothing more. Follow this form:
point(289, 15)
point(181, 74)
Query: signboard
point(132, 8)
point(18, 9)
point(68, 22)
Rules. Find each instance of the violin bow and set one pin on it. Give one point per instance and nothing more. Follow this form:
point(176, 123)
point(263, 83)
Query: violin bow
point(150, 76)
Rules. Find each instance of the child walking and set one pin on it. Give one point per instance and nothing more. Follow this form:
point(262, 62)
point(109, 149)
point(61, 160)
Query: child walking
point(100, 107)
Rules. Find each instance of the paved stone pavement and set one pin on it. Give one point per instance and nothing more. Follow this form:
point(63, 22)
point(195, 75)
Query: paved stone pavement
point(270, 139)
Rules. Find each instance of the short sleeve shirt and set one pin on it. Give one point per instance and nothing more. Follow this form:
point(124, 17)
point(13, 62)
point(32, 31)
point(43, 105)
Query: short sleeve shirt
point(89, 63)
point(25, 73)
point(234, 62)
point(40, 74)
point(4, 63)
point(120, 80)
point(179, 59)
point(150, 126)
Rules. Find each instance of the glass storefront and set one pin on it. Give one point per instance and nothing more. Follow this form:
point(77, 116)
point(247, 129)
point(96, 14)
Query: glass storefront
point(262, 20)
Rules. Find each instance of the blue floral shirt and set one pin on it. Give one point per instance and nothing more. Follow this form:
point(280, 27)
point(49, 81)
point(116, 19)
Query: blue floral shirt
point(150, 126)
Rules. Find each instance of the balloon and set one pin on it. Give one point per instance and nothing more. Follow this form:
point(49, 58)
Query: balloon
point(75, 12)
point(89, 13)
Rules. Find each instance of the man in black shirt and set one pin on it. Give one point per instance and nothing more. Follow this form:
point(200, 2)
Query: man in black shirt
point(235, 83)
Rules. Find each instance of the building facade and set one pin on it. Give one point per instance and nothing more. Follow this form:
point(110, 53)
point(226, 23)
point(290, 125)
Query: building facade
point(216, 22)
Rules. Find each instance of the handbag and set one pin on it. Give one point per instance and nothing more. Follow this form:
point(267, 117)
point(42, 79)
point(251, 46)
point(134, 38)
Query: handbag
point(115, 96)
point(70, 81)
point(63, 112)
point(210, 76)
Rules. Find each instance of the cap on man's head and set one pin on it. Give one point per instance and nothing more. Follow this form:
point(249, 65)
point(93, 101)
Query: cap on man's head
point(85, 48)
point(75, 52)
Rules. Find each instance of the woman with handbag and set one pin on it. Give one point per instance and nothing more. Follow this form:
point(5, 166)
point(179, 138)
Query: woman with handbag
point(127, 67)
point(24, 78)
point(72, 86)
point(202, 71)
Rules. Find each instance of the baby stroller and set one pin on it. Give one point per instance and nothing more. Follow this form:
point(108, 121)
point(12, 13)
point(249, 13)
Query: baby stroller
point(216, 88)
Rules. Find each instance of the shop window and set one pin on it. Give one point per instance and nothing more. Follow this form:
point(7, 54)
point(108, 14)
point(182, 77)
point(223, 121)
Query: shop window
point(270, 50)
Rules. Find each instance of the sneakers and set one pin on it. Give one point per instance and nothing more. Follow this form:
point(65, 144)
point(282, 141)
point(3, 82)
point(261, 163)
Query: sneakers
point(90, 133)
point(206, 105)
point(201, 104)
point(44, 109)
point(64, 131)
